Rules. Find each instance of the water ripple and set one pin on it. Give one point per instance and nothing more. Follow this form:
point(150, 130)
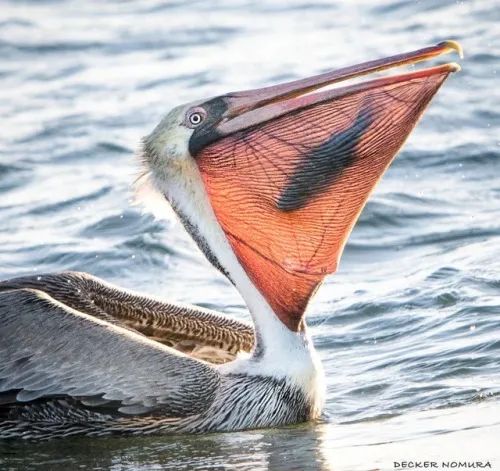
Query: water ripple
point(410, 321)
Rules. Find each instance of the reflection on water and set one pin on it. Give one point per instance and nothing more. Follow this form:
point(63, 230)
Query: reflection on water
point(408, 327)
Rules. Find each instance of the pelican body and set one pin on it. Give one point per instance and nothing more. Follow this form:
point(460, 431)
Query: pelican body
point(269, 184)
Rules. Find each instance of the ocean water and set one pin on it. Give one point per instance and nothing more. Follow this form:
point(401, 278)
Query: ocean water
point(408, 329)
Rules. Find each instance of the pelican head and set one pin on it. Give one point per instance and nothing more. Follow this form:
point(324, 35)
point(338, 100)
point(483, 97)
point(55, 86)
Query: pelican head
point(271, 181)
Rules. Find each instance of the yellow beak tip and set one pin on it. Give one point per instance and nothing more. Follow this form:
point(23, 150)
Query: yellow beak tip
point(453, 46)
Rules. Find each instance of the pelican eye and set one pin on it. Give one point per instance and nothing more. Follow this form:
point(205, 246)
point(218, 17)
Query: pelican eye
point(195, 117)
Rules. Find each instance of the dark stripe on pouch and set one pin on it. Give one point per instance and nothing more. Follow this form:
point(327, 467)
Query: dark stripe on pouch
point(322, 165)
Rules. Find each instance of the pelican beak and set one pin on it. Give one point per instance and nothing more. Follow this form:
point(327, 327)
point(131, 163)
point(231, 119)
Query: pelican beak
point(289, 168)
point(253, 107)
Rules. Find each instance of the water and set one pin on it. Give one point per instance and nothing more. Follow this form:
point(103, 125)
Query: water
point(408, 327)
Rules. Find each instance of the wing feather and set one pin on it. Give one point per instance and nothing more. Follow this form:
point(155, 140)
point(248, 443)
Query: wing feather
point(201, 333)
point(48, 349)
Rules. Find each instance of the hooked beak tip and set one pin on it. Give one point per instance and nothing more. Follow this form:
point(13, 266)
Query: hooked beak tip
point(452, 45)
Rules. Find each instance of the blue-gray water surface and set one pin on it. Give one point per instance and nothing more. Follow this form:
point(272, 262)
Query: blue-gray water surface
point(408, 329)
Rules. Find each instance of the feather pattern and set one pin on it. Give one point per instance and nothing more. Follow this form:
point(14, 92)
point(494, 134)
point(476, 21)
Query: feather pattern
point(67, 372)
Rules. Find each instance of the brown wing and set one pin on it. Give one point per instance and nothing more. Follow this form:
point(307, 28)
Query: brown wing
point(195, 331)
point(50, 351)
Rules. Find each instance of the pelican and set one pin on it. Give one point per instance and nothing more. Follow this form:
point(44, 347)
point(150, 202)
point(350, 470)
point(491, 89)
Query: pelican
point(269, 183)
